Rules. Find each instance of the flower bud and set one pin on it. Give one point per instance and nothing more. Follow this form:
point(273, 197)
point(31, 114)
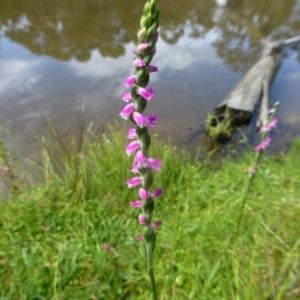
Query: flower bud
point(144, 194)
point(136, 204)
point(141, 34)
point(146, 21)
point(146, 9)
point(142, 220)
point(155, 225)
point(151, 31)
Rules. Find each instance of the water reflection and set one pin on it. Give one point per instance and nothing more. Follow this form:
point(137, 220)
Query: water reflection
point(242, 28)
point(67, 29)
point(74, 28)
point(59, 54)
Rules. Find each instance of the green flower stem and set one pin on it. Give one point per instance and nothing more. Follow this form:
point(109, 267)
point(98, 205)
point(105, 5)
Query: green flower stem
point(245, 195)
point(149, 250)
point(252, 175)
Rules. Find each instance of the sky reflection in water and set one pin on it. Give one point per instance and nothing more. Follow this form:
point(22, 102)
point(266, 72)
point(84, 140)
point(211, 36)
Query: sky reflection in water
point(52, 65)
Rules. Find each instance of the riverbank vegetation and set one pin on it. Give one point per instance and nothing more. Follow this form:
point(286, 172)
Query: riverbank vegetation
point(72, 234)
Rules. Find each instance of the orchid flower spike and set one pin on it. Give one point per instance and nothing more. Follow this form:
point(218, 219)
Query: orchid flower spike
point(137, 100)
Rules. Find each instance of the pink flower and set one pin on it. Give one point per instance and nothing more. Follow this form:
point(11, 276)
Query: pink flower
point(127, 111)
point(273, 123)
point(145, 121)
point(139, 62)
point(134, 169)
point(140, 238)
point(142, 220)
point(264, 129)
point(263, 145)
point(131, 134)
point(140, 120)
point(131, 80)
point(140, 161)
point(132, 147)
point(270, 126)
point(152, 69)
point(146, 93)
point(258, 148)
point(157, 193)
point(141, 47)
point(154, 164)
point(126, 97)
point(132, 51)
point(152, 119)
point(252, 170)
point(136, 204)
point(133, 182)
point(144, 194)
point(155, 225)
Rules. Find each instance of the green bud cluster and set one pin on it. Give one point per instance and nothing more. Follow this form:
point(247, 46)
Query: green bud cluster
point(149, 23)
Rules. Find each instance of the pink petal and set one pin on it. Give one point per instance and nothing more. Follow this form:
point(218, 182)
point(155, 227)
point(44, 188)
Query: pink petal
point(140, 120)
point(152, 119)
point(126, 97)
point(140, 238)
point(251, 170)
point(144, 194)
point(258, 148)
point(263, 145)
point(263, 129)
point(140, 160)
point(131, 80)
point(146, 93)
point(154, 164)
point(266, 142)
point(141, 47)
point(155, 225)
point(133, 182)
point(152, 69)
point(139, 62)
point(157, 193)
point(127, 111)
point(273, 123)
point(132, 147)
point(131, 134)
point(136, 204)
point(134, 169)
point(142, 220)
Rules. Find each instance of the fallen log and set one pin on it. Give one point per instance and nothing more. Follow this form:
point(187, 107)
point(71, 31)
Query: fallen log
point(236, 110)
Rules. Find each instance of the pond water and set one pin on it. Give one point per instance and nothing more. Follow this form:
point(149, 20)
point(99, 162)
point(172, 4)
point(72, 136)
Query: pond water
point(59, 57)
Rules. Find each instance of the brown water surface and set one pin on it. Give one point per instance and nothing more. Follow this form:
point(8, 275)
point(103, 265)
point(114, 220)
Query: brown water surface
point(60, 56)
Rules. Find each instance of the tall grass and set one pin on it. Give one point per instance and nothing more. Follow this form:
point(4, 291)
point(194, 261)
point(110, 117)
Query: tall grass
point(71, 236)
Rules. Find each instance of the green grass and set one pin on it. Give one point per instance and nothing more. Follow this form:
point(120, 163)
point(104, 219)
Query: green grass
point(72, 235)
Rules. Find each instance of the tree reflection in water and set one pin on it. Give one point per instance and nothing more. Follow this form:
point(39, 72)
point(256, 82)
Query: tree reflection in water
point(66, 29)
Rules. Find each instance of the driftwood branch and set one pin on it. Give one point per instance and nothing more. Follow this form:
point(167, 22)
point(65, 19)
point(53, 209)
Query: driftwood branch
point(257, 82)
point(293, 40)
